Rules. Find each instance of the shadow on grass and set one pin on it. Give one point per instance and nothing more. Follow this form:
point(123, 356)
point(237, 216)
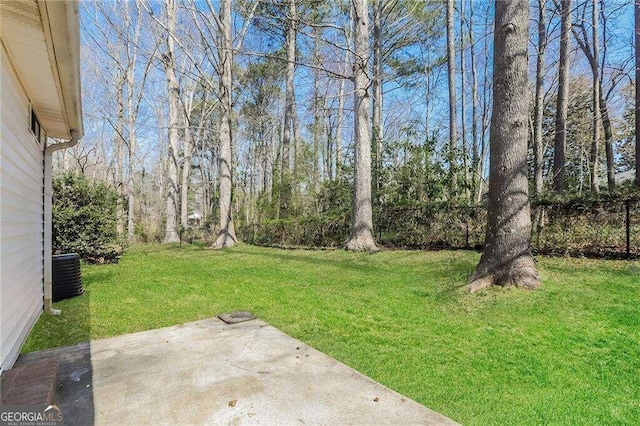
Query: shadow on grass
point(447, 285)
point(274, 254)
point(72, 325)
point(68, 334)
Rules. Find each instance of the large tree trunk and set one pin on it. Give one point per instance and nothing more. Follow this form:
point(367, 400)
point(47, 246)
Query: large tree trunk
point(538, 110)
point(171, 227)
point(463, 104)
point(132, 156)
point(377, 94)
point(329, 139)
point(608, 141)
point(604, 110)
point(285, 174)
point(507, 259)
point(560, 140)
point(226, 234)
point(187, 153)
point(204, 182)
point(595, 141)
point(119, 175)
point(637, 115)
point(361, 238)
point(339, 128)
point(131, 183)
point(297, 143)
point(453, 121)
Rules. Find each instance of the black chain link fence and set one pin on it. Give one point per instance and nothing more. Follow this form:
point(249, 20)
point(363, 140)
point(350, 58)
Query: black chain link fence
point(606, 229)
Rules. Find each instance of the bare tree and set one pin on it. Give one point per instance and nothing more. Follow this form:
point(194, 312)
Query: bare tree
point(340, 121)
point(119, 139)
point(168, 59)
point(345, 65)
point(226, 233)
point(507, 258)
point(560, 139)
point(188, 148)
point(197, 113)
point(453, 120)
point(118, 33)
point(287, 134)
point(538, 108)
point(595, 71)
point(479, 112)
point(637, 115)
point(377, 131)
point(361, 238)
point(463, 101)
point(590, 46)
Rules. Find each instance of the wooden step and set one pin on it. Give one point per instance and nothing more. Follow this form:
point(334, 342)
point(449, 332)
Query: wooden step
point(33, 384)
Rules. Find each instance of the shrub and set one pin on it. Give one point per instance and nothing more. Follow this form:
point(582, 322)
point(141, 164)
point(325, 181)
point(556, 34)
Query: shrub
point(312, 231)
point(572, 226)
point(84, 219)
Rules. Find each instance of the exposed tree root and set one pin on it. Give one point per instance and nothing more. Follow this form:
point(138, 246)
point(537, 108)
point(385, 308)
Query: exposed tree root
point(171, 239)
point(480, 283)
point(224, 240)
point(362, 243)
point(521, 274)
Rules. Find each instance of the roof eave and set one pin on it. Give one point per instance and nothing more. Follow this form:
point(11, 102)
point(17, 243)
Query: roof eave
point(61, 26)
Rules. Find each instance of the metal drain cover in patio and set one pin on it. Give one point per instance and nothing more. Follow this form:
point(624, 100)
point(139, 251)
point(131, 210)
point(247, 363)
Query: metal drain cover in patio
point(237, 317)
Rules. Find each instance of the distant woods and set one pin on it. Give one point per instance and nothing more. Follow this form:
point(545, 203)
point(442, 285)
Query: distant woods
point(212, 115)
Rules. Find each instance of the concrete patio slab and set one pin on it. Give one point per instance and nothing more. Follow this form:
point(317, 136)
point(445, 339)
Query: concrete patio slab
point(209, 372)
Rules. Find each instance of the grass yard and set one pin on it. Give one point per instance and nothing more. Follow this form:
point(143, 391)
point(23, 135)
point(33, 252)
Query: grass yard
point(568, 353)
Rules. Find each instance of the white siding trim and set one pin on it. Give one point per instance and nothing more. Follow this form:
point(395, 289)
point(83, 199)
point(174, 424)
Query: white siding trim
point(21, 217)
point(13, 354)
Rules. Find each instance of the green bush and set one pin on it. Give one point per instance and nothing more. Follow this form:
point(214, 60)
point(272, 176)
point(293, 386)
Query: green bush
point(312, 231)
point(84, 219)
point(573, 226)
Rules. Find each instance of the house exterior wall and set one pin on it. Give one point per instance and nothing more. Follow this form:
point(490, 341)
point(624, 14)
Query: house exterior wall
point(21, 217)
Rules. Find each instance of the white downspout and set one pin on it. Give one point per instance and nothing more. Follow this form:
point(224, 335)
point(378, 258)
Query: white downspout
point(48, 223)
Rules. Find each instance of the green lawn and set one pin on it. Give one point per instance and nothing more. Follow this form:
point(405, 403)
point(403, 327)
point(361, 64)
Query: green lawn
point(568, 353)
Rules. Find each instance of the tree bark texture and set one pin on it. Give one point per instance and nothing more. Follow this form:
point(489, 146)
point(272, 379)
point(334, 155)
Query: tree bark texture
point(463, 103)
point(453, 120)
point(285, 174)
point(171, 227)
point(562, 106)
point(119, 183)
point(539, 99)
point(361, 238)
point(317, 126)
point(339, 127)
point(187, 153)
point(637, 115)
point(475, 149)
point(507, 258)
point(595, 98)
point(377, 93)
point(604, 109)
point(608, 141)
point(226, 234)
point(131, 183)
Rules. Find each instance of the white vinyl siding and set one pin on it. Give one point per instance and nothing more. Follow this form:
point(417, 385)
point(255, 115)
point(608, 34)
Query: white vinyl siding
point(21, 218)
